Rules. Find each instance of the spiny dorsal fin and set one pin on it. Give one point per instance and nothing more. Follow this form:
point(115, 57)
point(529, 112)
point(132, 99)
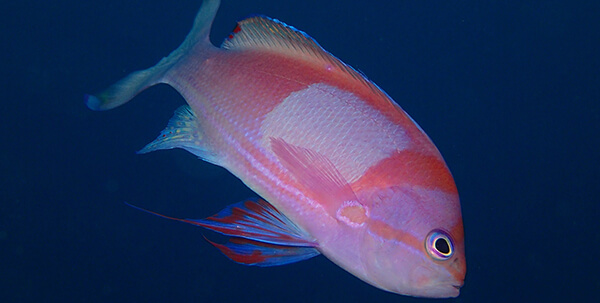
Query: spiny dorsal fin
point(264, 33)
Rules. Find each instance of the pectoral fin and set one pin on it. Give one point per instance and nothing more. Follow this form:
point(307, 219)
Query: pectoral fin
point(317, 173)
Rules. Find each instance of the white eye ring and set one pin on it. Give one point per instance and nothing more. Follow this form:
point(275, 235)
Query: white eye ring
point(438, 245)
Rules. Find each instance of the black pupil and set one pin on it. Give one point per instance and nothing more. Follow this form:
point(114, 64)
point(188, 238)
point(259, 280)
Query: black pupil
point(442, 246)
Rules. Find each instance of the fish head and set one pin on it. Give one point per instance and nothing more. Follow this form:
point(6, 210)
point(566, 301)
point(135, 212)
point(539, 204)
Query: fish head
point(414, 242)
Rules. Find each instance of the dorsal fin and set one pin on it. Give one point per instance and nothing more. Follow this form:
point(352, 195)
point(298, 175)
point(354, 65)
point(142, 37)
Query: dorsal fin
point(263, 33)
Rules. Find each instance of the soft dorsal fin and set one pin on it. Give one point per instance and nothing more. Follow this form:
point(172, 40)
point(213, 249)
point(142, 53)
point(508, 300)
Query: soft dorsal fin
point(263, 33)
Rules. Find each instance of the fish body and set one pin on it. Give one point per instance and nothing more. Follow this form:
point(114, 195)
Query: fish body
point(346, 172)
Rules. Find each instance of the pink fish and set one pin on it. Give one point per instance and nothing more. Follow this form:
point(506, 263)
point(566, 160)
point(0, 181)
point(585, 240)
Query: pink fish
point(346, 172)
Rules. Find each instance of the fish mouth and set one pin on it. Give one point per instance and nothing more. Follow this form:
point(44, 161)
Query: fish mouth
point(453, 291)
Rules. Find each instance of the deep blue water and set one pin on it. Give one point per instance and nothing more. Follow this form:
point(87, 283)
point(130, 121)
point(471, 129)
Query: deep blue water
point(508, 90)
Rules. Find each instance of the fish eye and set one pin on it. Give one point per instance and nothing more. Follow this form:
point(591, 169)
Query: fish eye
point(438, 245)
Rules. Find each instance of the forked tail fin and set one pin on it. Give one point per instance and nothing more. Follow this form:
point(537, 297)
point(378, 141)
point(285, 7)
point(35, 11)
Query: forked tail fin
point(128, 87)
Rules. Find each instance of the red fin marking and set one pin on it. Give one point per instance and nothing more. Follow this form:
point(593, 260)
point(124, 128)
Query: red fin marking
point(251, 252)
point(260, 234)
point(256, 220)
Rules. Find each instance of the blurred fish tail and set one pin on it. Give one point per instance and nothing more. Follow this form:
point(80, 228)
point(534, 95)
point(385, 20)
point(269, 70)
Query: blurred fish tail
point(128, 87)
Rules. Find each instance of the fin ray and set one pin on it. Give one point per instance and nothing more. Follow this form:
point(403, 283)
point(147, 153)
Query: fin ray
point(257, 220)
point(183, 131)
point(316, 172)
point(258, 234)
point(264, 33)
point(250, 252)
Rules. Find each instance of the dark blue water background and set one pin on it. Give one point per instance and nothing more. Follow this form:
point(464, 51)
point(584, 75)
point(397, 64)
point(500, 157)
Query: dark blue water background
point(508, 90)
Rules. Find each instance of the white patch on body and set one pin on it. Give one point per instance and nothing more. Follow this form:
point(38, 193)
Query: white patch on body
point(337, 124)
